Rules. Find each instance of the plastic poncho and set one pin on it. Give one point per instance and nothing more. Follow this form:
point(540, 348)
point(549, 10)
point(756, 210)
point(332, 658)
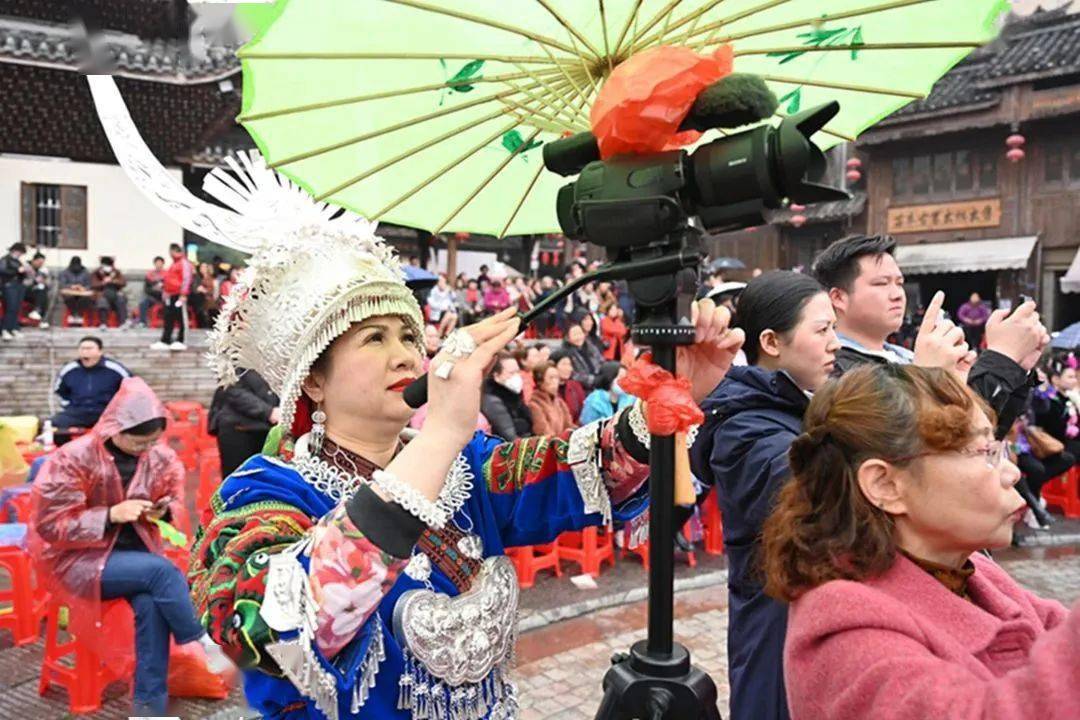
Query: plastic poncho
point(70, 535)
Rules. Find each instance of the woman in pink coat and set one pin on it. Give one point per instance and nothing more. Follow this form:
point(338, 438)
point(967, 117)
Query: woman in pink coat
point(898, 483)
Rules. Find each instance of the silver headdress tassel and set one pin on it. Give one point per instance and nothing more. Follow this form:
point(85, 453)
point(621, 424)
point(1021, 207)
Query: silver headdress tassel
point(311, 274)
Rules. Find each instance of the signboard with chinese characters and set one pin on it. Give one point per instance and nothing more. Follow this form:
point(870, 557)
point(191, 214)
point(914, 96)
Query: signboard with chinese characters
point(945, 216)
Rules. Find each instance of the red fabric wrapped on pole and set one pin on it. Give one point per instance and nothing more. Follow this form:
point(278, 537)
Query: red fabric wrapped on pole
point(671, 406)
point(671, 411)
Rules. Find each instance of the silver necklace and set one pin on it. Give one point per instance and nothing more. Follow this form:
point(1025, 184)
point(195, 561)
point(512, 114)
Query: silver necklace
point(339, 484)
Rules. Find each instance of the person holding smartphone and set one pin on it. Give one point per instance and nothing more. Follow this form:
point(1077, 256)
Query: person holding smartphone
point(94, 538)
point(866, 287)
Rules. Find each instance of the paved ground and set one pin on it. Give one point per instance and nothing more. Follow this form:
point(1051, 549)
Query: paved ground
point(560, 665)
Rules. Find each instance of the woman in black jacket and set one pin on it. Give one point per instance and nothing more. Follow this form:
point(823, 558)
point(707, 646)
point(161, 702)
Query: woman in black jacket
point(502, 403)
point(751, 419)
point(586, 358)
point(241, 415)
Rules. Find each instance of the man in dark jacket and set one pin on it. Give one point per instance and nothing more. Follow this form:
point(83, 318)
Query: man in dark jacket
point(867, 291)
point(108, 282)
point(13, 273)
point(502, 403)
point(241, 416)
point(87, 385)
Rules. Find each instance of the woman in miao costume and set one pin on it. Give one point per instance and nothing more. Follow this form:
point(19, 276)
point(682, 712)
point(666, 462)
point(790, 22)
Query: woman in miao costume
point(360, 572)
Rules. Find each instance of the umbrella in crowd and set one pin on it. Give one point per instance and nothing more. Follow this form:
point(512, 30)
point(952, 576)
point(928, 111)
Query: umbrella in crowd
point(726, 263)
point(1067, 339)
point(433, 113)
point(418, 278)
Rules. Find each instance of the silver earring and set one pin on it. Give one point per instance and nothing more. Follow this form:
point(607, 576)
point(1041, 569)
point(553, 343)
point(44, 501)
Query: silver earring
point(318, 431)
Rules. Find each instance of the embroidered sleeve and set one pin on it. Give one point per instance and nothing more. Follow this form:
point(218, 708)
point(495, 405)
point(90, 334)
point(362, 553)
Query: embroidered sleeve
point(349, 577)
point(349, 571)
point(229, 564)
point(515, 465)
point(541, 486)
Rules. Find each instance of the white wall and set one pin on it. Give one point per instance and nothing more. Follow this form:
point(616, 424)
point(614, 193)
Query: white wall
point(468, 261)
point(120, 221)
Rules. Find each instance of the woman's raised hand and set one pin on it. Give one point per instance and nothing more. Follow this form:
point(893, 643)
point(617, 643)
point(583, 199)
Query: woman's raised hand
point(715, 345)
point(454, 392)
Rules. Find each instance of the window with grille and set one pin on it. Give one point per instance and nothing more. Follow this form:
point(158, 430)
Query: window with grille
point(1061, 162)
point(942, 176)
point(54, 216)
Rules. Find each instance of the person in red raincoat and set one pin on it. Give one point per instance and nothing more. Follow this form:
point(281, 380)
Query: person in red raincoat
point(93, 539)
point(613, 332)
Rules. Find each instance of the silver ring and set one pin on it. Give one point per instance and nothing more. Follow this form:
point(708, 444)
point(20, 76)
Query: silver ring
point(459, 344)
point(443, 371)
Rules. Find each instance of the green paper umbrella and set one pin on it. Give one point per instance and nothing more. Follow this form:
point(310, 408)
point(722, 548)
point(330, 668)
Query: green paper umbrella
point(432, 113)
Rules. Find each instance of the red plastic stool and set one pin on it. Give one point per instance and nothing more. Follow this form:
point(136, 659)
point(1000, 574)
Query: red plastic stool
point(184, 440)
point(209, 479)
point(642, 550)
point(528, 559)
point(589, 548)
point(188, 412)
point(1064, 492)
point(27, 597)
point(712, 525)
point(157, 315)
point(73, 665)
point(89, 318)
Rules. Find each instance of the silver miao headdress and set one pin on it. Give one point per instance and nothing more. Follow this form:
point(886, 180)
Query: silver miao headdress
point(310, 275)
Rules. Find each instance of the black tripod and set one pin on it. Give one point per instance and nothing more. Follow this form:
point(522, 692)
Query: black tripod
point(655, 680)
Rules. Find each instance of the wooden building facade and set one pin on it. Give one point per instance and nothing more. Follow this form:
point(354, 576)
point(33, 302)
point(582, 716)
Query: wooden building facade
point(970, 217)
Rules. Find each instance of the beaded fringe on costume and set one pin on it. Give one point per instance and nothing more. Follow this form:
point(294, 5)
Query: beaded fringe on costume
point(428, 698)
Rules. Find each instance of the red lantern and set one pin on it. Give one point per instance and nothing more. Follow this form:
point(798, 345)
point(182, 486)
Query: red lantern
point(796, 207)
point(798, 220)
point(461, 236)
point(1015, 140)
point(854, 164)
point(1015, 155)
point(853, 175)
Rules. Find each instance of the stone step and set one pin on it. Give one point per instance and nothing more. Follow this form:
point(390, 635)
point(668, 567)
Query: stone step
point(29, 364)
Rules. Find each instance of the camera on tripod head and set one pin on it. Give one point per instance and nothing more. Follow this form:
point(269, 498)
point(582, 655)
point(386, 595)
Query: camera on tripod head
point(657, 206)
point(631, 201)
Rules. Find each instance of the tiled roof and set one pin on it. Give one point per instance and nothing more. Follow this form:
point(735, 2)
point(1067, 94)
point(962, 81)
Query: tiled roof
point(59, 46)
point(958, 88)
point(1052, 49)
point(1044, 44)
point(823, 212)
point(146, 18)
point(56, 114)
point(212, 152)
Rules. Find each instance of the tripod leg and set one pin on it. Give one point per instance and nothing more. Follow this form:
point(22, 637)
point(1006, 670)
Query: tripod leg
point(609, 705)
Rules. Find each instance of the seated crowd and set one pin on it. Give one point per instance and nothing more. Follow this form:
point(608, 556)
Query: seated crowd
point(862, 483)
point(176, 295)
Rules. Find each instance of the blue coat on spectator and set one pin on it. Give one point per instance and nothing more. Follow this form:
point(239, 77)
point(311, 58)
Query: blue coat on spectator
point(85, 391)
point(751, 419)
point(598, 406)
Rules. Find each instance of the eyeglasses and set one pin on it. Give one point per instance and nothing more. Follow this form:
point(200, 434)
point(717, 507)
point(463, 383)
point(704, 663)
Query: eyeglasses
point(992, 454)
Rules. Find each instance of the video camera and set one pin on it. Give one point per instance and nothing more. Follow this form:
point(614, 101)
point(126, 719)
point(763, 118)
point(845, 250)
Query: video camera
point(631, 201)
